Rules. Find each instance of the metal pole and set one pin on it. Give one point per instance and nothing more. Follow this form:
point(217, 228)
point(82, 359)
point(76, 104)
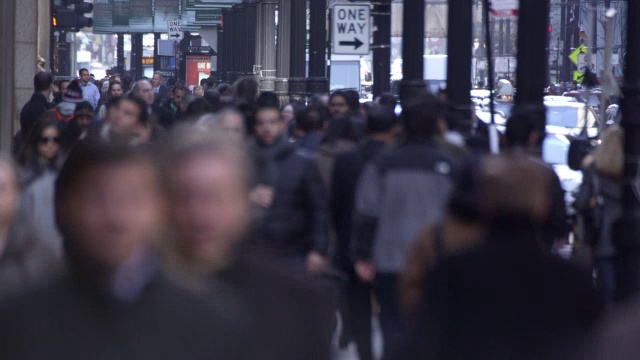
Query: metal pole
point(413, 49)
point(627, 229)
point(382, 52)
point(494, 143)
point(531, 72)
point(318, 83)
point(459, 47)
point(120, 54)
point(297, 69)
point(250, 17)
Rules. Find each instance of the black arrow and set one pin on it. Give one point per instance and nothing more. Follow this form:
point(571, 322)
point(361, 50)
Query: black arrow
point(174, 36)
point(356, 43)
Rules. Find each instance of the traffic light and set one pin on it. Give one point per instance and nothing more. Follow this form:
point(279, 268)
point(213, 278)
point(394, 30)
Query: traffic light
point(70, 14)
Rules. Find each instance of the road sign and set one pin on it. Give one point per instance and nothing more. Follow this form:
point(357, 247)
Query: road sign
point(574, 55)
point(351, 29)
point(578, 76)
point(175, 31)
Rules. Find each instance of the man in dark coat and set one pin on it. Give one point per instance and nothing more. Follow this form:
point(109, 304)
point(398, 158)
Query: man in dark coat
point(289, 196)
point(509, 298)
point(113, 302)
point(39, 102)
point(398, 193)
point(287, 312)
point(346, 172)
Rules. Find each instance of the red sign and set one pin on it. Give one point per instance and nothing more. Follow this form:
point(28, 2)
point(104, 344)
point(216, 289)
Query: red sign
point(198, 67)
point(504, 8)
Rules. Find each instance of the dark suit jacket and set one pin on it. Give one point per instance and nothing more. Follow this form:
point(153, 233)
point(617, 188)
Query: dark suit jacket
point(74, 319)
point(162, 93)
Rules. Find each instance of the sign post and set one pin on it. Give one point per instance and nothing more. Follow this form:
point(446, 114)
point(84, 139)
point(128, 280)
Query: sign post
point(175, 32)
point(351, 29)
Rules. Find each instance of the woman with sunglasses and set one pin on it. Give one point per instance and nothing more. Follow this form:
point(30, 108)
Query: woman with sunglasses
point(41, 150)
point(40, 160)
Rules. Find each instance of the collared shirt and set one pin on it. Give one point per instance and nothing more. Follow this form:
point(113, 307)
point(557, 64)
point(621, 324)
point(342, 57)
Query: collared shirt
point(91, 94)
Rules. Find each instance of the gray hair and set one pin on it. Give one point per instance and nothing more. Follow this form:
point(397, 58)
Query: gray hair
point(136, 86)
point(189, 141)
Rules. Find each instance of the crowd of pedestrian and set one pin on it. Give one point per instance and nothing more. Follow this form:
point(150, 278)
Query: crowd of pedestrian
point(151, 220)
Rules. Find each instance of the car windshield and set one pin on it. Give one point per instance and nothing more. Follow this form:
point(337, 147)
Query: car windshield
point(555, 149)
point(569, 117)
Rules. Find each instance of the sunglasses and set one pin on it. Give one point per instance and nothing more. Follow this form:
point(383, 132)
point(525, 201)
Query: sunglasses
point(45, 140)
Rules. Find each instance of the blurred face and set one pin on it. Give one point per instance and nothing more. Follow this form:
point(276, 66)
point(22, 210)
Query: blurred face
point(156, 80)
point(269, 127)
point(209, 208)
point(8, 196)
point(145, 92)
point(287, 113)
point(178, 95)
point(126, 121)
point(199, 91)
point(115, 212)
point(63, 87)
point(49, 143)
point(105, 86)
point(338, 107)
point(233, 125)
point(84, 118)
point(84, 77)
point(116, 90)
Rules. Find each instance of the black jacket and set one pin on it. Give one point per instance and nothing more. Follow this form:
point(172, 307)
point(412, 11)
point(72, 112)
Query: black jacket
point(346, 173)
point(162, 116)
point(296, 222)
point(31, 111)
point(292, 316)
point(508, 299)
point(74, 319)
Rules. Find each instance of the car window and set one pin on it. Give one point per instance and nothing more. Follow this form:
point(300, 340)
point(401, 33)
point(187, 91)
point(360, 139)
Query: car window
point(570, 117)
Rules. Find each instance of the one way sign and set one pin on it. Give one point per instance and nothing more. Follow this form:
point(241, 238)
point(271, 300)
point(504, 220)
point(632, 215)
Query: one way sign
point(351, 29)
point(175, 33)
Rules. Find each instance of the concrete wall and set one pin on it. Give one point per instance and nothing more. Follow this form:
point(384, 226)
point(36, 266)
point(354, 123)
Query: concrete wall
point(25, 33)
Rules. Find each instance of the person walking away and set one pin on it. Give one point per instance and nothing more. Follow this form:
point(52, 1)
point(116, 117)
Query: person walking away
point(381, 128)
point(397, 194)
point(509, 297)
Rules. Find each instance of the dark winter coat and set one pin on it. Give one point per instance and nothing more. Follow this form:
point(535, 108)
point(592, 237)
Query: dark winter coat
point(509, 299)
point(296, 222)
point(292, 315)
point(346, 172)
point(402, 190)
point(31, 111)
point(75, 318)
